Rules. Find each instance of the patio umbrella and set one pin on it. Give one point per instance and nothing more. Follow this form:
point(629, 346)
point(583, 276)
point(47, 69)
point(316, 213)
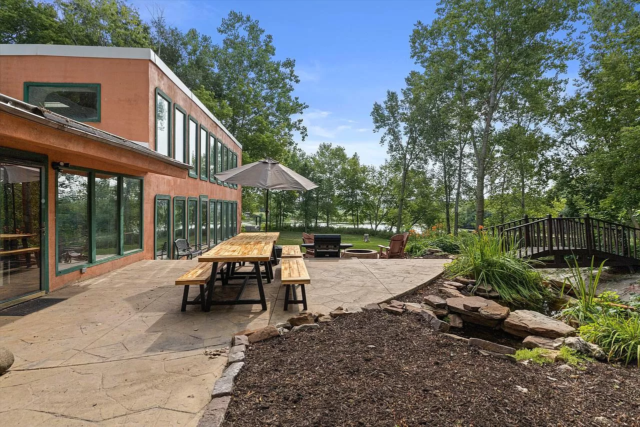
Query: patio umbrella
point(267, 174)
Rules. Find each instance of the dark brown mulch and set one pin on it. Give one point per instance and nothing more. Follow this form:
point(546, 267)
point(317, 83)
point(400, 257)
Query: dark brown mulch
point(379, 369)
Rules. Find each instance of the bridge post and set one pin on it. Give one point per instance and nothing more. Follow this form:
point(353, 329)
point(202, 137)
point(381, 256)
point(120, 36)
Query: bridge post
point(550, 233)
point(527, 234)
point(588, 234)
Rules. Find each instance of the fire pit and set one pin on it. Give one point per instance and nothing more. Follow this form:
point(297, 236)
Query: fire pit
point(360, 253)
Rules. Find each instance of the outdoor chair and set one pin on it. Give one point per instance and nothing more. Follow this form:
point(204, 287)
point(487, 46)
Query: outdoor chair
point(327, 245)
point(184, 249)
point(308, 238)
point(396, 246)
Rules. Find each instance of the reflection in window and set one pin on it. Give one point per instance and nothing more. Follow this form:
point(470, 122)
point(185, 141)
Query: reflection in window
point(219, 151)
point(179, 226)
point(72, 219)
point(163, 118)
point(180, 124)
point(192, 222)
point(162, 228)
point(193, 146)
point(132, 213)
point(204, 223)
point(77, 101)
point(219, 237)
point(212, 223)
point(212, 156)
point(204, 137)
point(107, 218)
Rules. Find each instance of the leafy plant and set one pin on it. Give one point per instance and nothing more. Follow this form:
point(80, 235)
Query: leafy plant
point(447, 244)
point(617, 335)
point(536, 355)
point(586, 303)
point(572, 357)
point(488, 260)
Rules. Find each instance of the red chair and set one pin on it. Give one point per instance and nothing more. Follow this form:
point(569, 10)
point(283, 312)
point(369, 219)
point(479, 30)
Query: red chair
point(396, 247)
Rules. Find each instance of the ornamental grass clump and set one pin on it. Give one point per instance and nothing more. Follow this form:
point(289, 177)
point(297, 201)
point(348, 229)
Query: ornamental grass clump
point(617, 335)
point(489, 261)
point(586, 303)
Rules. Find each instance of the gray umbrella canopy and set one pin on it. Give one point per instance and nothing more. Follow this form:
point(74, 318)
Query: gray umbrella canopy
point(267, 174)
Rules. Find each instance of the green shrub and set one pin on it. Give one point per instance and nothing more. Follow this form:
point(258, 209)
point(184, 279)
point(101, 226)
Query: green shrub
point(486, 259)
point(449, 244)
point(572, 357)
point(617, 335)
point(586, 303)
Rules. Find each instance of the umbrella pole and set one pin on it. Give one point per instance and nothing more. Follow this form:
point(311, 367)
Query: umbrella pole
point(266, 212)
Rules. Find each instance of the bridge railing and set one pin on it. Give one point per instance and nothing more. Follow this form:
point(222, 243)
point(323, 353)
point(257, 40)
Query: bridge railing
point(564, 235)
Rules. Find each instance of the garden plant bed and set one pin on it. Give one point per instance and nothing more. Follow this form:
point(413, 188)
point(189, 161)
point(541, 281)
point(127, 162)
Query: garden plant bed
point(379, 369)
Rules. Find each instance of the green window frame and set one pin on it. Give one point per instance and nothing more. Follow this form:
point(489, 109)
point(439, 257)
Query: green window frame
point(162, 199)
point(219, 237)
point(212, 223)
point(193, 149)
point(96, 86)
point(204, 153)
point(183, 135)
point(192, 220)
point(213, 142)
point(234, 164)
point(161, 95)
point(179, 205)
point(92, 217)
point(203, 224)
point(225, 154)
point(234, 216)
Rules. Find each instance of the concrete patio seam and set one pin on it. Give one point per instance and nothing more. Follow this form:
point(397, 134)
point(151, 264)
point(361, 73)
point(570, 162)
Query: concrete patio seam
point(376, 277)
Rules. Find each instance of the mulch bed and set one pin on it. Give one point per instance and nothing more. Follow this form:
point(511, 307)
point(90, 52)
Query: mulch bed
point(379, 369)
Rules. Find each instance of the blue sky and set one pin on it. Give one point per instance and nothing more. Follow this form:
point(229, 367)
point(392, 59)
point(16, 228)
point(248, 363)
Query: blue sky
point(348, 54)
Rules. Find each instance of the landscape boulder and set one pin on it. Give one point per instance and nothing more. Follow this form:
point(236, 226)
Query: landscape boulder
point(584, 347)
point(455, 285)
point(435, 301)
point(491, 346)
point(434, 322)
point(455, 321)
point(489, 313)
point(302, 319)
point(533, 341)
point(264, 334)
point(450, 292)
point(523, 323)
point(6, 360)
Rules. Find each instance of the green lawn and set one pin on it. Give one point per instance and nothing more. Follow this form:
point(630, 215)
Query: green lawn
point(295, 238)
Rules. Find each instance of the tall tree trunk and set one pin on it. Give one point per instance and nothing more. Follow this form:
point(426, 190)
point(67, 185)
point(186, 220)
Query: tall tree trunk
point(480, 194)
point(401, 204)
point(447, 194)
point(522, 192)
point(456, 215)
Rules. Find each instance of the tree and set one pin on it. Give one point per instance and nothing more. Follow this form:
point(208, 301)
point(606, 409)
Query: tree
point(506, 47)
point(351, 188)
point(398, 119)
point(27, 22)
point(377, 194)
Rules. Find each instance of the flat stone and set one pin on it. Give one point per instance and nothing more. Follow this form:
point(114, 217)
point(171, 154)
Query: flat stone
point(489, 312)
point(302, 319)
point(435, 301)
point(456, 285)
point(325, 319)
point(6, 360)
point(413, 307)
point(473, 305)
point(457, 338)
point(305, 327)
point(224, 385)
point(237, 349)
point(523, 323)
point(450, 293)
point(236, 357)
point(455, 321)
point(264, 334)
point(491, 346)
point(240, 340)
point(214, 412)
point(339, 312)
point(588, 349)
point(509, 357)
point(465, 281)
point(285, 325)
point(371, 307)
point(434, 322)
point(393, 310)
point(533, 341)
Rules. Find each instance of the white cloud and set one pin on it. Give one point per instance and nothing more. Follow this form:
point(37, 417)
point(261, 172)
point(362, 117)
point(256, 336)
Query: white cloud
point(362, 130)
point(316, 114)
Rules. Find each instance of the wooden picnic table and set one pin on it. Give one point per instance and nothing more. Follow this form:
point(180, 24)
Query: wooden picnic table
point(253, 248)
point(16, 236)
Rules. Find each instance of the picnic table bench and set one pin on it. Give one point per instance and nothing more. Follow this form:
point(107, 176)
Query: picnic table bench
point(291, 251)
point(197, 276)
point(294, 272)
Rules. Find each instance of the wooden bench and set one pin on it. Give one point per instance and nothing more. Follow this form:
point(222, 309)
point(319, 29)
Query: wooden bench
point(23, 251)
point(294, 272)
point(197, 276)
point(291, 251)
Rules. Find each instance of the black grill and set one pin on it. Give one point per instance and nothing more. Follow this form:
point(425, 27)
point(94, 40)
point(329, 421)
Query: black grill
point(327, 245)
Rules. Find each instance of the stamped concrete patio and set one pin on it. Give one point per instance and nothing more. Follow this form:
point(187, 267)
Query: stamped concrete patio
point(116, 350)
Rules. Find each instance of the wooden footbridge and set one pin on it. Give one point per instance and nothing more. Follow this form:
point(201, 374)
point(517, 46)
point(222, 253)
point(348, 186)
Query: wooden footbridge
point(551, 240)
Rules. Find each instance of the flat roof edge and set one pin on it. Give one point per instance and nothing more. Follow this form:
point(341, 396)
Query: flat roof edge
point(107, 52)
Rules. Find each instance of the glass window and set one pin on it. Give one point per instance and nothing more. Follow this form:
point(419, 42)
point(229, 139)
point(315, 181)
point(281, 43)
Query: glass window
point(193, 147)
point(219, 222)
point(212, 157)
point(179, 218)
point(212, 223)
point(72, 219)
point(77, 101)
point(223, 206)
point(204, 222)
point(132, 213)
point(204, 153)
point(107, 216)
point(163, 218)
point(179, 132)
point(234, 219)
point(163, 127)
point(220, 157)
point(192, 221)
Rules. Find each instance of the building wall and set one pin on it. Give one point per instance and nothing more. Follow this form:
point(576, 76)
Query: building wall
point(124, 84)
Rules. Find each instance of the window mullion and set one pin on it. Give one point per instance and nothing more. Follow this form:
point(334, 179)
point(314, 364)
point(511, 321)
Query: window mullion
point(92, 217)
point(120, 215)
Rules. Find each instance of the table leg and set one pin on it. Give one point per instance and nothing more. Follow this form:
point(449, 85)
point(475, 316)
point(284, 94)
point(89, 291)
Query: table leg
point(263, 301)
point(286, 297)
point(212, 281)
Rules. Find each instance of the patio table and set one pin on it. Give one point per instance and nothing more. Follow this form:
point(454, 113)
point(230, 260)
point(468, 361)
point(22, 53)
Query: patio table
point(256, 249)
